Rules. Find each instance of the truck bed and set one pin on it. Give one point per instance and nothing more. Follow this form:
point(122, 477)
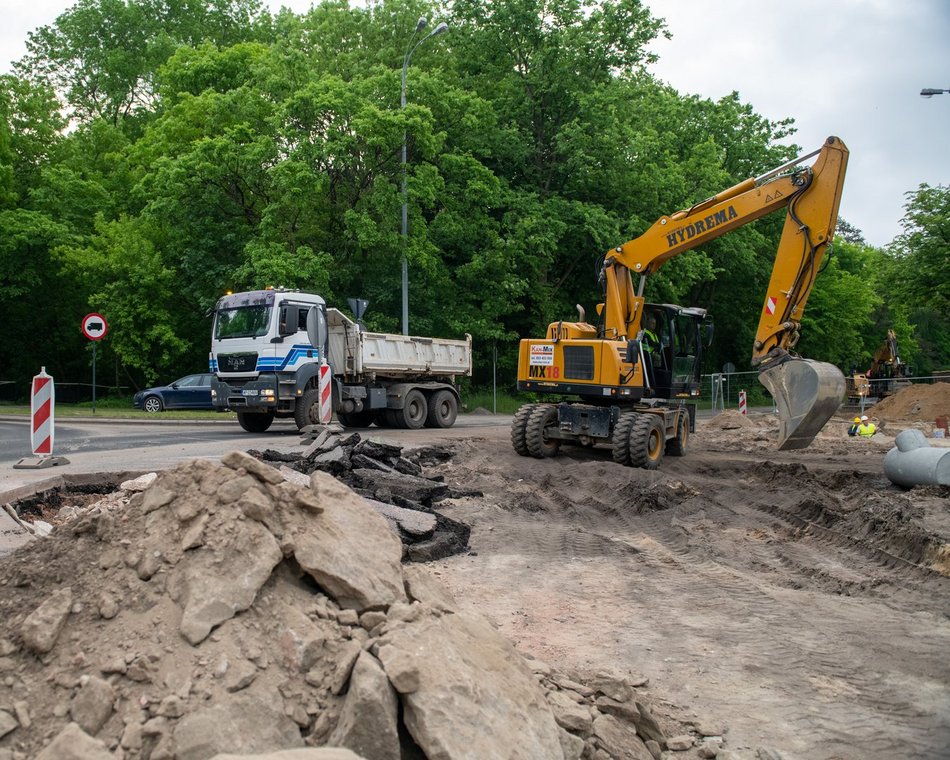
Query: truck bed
point(355, 353)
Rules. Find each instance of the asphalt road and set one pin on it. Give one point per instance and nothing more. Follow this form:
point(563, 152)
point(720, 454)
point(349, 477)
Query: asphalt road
point(92, 446)
point(153, 443)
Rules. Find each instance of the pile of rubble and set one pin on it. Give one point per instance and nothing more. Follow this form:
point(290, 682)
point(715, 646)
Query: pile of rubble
point(394, 484)
point(226, 609)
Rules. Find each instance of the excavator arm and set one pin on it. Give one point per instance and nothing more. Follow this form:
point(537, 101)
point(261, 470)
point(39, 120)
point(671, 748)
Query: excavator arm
point(807, 393)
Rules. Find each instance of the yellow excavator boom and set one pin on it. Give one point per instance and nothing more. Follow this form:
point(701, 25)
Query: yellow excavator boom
point(807, 393)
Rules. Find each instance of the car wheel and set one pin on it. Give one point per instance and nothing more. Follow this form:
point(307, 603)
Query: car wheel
point(152, 404)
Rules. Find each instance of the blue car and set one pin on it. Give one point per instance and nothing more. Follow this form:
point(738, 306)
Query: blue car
point(189, 392)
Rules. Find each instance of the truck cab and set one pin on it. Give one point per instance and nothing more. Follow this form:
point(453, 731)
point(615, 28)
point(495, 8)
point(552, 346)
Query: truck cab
point(261, 355)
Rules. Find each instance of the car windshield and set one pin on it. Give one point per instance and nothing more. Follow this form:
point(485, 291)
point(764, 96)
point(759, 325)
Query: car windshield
point(242, 322)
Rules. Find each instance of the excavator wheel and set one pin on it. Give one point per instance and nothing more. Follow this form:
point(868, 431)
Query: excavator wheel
point(518, 426)
point(621, 437)
point(676, 447)
point(647, 441)
point(539, 445)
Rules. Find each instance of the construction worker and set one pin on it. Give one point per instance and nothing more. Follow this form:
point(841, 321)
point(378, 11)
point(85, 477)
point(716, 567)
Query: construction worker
point(867, 428)
point(651, 342)
point(855, 424)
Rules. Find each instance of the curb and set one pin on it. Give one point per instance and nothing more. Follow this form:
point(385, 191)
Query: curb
point(25, 418)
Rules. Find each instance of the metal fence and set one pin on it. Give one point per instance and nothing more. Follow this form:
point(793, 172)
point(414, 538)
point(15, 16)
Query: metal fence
point(12, 392)
point(722, 390)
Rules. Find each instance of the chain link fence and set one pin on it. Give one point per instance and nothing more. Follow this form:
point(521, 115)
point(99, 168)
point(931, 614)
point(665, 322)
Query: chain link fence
point(722, 390)
point(66, 393)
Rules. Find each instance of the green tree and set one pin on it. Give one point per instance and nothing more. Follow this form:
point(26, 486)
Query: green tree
point(920, 270)
point(102, 55)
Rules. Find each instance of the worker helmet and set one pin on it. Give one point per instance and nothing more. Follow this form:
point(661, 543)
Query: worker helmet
point(864, 418)
point(857, 419)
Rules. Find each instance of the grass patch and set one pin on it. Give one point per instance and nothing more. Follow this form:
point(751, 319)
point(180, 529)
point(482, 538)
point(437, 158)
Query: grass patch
point(499, 403)
point(119, 412)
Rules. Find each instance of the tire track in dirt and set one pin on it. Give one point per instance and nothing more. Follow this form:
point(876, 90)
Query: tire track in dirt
point(706, 573)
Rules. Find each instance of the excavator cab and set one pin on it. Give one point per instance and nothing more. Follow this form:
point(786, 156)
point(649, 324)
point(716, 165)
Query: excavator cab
point(674, 364)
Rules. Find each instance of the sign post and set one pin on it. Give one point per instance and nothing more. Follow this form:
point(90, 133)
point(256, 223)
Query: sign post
point(42, 413)
point(94, 327)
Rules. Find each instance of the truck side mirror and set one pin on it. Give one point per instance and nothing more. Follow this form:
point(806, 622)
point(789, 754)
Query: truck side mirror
point(633, 352)
point(317, 328)
point(708, 327)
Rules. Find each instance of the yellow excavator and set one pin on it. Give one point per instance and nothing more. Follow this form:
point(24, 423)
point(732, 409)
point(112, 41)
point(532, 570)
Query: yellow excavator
point(631, 378)
point(887, 374)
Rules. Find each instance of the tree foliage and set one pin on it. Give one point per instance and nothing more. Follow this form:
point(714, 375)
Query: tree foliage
point(155, 153)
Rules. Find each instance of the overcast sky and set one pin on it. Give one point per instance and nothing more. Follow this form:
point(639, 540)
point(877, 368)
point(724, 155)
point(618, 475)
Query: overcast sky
point(851, 68)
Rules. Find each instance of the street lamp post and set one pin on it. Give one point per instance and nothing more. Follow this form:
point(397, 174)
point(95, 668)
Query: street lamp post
point(929, 92)
point(410, 49)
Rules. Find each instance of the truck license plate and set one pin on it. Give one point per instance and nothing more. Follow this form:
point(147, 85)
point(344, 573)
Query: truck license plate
point(249, 391)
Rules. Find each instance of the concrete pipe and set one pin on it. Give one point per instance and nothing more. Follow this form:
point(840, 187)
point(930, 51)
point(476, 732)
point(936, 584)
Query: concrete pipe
point(914, 462)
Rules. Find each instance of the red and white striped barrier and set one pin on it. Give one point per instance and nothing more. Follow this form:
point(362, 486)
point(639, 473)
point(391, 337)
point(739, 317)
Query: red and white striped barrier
point(42, 400)
point(326, 407)
point(42, 428)
point(742, 405)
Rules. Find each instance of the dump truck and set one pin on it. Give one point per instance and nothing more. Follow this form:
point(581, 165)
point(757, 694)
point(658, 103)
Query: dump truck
point(270, 348)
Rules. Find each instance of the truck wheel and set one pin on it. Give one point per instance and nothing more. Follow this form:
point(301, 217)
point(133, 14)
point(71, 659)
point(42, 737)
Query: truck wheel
point(413, 415)
point(518, 429)
point(381, 418)
point(539, 445)
point(356, 419)
point(443, 409)
point(647, 442)
point(676, 447)
point(307, 409)
point(255, 422)
point(152, 404)
point(621, 437)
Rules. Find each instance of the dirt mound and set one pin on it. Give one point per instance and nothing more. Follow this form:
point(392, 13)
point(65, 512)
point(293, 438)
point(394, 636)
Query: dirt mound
point(922, 402)
point(226, 609)
point(730, 419)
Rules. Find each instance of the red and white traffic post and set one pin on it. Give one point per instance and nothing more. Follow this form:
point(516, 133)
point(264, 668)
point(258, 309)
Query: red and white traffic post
point(742, 404)
point(42, 424)
point(326, 407)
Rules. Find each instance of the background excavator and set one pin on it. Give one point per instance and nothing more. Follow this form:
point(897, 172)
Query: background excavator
point(887, 374)
point(632, 376)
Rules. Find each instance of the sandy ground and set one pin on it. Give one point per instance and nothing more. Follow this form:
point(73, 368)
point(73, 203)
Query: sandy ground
point(797, 598)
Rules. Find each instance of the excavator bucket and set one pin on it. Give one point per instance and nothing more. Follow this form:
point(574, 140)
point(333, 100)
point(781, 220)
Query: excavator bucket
point(807, 393)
